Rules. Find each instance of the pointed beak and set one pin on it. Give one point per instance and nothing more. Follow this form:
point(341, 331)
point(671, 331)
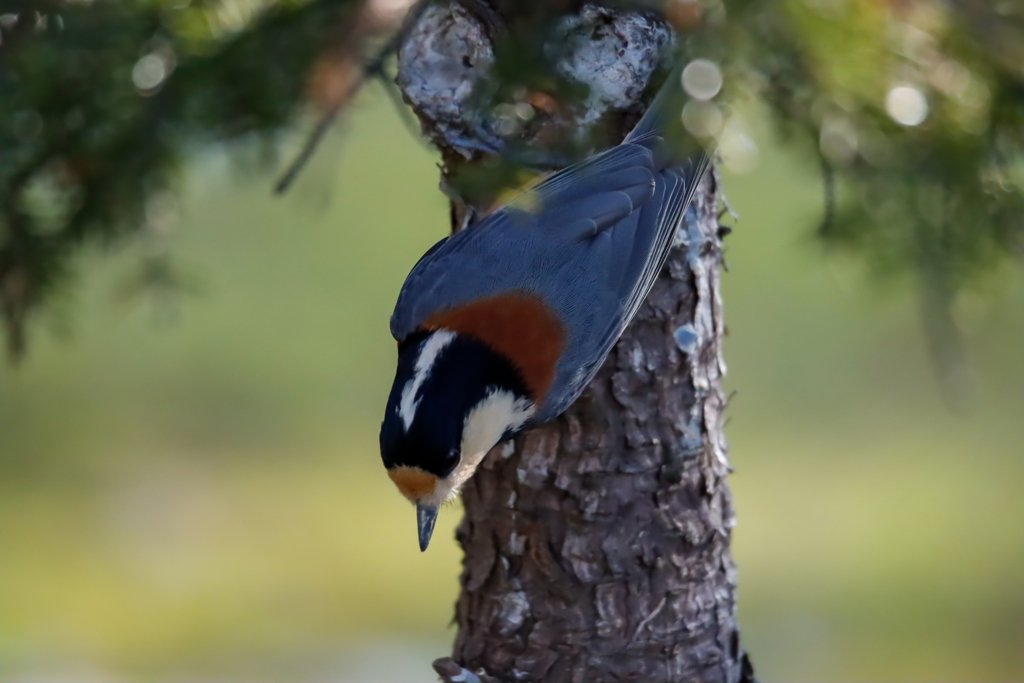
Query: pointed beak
point(425, 518)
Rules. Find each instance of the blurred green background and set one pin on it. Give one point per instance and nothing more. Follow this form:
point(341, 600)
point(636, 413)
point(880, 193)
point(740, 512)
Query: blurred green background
point(191, 488)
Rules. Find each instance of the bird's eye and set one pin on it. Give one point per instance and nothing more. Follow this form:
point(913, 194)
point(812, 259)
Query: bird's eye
point(452, 459)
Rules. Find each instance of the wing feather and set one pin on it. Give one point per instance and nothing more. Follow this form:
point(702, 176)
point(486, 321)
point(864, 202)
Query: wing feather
point(678, 185)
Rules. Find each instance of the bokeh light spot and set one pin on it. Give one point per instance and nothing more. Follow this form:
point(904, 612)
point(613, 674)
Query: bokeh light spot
point(525, 111)
point(150, 71)
point(702, 79)
point(738, 150)
point(702, 119)
point(907, 105)
point(506, 121)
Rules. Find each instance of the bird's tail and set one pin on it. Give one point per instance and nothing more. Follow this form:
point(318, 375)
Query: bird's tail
point(666, 106)
point(661, 127)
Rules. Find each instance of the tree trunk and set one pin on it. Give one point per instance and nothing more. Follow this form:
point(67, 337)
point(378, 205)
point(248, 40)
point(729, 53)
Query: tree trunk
point(597, 546)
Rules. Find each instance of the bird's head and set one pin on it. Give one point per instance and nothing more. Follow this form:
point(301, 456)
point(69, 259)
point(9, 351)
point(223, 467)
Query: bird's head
point(453, 399)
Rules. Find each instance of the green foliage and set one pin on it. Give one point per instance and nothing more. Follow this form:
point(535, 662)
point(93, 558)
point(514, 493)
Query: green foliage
point(943, 196)
point(914, 112)
point(100, 101)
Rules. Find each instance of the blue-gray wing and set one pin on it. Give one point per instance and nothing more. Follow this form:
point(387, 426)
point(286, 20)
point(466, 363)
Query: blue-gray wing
point(592, 248)
point(544, 242)
point(659, 221)
point(650, 233)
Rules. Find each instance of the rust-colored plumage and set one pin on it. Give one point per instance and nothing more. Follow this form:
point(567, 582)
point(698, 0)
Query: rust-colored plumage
point(519, 326)
point(413, 482)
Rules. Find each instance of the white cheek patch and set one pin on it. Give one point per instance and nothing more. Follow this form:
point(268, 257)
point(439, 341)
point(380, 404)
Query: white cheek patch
point(498, 412)
point(429, 354)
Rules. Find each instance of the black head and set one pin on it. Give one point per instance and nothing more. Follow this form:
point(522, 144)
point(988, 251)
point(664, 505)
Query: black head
point(441, 378)
point(453, 399)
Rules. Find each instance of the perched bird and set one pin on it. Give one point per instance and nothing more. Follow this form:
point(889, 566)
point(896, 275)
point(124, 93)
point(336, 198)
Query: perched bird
point(501, 326)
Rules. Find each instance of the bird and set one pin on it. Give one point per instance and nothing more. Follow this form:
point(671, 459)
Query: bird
point(502, 325)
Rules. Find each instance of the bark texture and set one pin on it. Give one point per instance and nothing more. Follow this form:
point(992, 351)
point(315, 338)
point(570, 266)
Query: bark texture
point(596, 547)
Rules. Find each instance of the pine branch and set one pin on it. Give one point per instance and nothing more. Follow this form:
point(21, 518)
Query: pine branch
point(373, 69)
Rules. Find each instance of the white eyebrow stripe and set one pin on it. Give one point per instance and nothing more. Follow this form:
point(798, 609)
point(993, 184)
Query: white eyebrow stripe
point(429, 354)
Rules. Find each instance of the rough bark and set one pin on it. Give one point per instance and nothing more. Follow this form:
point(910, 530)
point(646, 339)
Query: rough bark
point(596, 547)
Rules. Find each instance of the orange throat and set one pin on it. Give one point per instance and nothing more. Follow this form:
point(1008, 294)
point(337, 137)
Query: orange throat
point(414, 483)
